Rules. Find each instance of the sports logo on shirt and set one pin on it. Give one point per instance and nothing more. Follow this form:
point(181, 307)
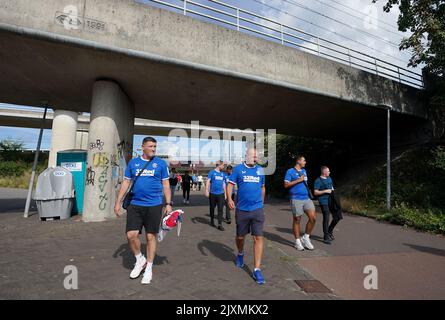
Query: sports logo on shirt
point(155, 165)
point(219, 178)
point(251, 179)
point(146, 173)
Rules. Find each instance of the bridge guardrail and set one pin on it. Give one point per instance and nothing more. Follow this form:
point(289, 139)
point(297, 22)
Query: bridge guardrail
point(244, 20)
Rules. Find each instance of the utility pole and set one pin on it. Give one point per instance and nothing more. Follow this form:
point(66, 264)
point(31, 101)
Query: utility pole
point(34, 166)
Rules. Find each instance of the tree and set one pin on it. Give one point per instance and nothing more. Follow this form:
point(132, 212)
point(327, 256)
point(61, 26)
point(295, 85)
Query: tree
point(11, 149)
point(425, 19)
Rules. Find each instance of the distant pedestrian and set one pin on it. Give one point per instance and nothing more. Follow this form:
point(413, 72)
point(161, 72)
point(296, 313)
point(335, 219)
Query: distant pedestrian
point(216, 192)
point(228, 173)
point(186, 185)
point(324, 188)
point(173, 183)
point(200, 182)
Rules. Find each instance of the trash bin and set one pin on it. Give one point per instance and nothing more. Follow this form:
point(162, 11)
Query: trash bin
point(55, 194)
point(76, 162)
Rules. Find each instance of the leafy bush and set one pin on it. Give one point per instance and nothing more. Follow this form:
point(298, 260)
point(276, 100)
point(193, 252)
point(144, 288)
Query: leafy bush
point(12, 168)
point(438, 158)
point(424, 220)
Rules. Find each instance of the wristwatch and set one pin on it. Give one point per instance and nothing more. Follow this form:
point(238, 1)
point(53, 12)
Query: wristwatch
point(169, 204)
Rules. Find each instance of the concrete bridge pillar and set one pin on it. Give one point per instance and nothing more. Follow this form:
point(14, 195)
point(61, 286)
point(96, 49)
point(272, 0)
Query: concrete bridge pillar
point(110, 145)
point(63, 135)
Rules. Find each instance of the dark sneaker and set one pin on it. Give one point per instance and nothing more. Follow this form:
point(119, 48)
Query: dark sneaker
point(331, 236)
point(212, 224)
point(228, 221)
point(221, 228)
point(326, 240)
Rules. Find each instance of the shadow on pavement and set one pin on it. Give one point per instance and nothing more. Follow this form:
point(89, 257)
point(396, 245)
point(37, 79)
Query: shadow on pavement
point(200, 220)
point(217, 249)
point(16, 204)
point(222, 252)
point(435, 251)
point(128, 258)
point(276, 238)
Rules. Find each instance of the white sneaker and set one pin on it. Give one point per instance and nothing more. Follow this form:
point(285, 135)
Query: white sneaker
point(148, 275)
point(184, 201)
point(188, 202)
point(307, 242)
point(298, 245)
point(138, 267)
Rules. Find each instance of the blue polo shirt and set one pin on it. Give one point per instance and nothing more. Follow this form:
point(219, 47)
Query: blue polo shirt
point(249, 182)
point(148, 188)
point(216, 179)
point(323, 184)
point(298, 191)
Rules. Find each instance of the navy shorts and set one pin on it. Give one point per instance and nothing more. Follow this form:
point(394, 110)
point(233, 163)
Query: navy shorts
point(249, 222)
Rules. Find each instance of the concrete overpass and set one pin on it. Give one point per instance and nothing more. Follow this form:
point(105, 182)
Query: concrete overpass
point(124, 59)
point(33, 119)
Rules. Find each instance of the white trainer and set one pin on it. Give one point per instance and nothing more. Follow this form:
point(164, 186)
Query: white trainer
point(148, 275)
point(307, 242)
point(138, 267)
point(299, 245)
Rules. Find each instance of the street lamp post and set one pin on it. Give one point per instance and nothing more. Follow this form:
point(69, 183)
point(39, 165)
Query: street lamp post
point(388, 155)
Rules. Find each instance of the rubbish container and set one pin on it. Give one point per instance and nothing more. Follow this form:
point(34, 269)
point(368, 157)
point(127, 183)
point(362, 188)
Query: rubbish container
point(76, 162)
point(55, 194)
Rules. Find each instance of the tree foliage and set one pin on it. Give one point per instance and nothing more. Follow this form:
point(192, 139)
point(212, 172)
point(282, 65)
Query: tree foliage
point(425, 20)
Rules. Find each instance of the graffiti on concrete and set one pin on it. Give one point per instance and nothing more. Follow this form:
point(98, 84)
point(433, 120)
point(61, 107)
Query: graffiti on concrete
point(99, 145)
point(90, 176)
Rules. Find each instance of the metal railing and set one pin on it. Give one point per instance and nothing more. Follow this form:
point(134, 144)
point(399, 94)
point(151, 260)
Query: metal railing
point(243, 20)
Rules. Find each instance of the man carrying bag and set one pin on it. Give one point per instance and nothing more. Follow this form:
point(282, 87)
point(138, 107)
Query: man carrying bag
point(329, 203)
point(150, 178)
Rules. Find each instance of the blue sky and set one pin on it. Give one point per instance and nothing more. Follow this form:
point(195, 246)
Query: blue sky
point(356, 24)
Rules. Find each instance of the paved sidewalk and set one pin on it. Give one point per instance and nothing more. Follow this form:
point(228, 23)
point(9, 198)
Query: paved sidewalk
point(198, 265)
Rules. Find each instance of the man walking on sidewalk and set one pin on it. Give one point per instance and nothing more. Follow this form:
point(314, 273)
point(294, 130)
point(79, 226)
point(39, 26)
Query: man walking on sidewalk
point(227, 175)
point(216, 192)
point(186, 185)
point(173, 182)
point(323, 188)
point(249, 214)
point(296, 181)
point(145, 209)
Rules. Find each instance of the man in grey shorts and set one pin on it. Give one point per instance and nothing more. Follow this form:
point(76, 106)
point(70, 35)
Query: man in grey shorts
point(296, 181)
point(249, 214)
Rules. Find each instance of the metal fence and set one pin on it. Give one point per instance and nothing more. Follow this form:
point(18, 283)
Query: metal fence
point(246, 21)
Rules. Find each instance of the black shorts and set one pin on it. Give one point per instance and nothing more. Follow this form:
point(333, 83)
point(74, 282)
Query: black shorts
point(147, 217)
point(249, 222)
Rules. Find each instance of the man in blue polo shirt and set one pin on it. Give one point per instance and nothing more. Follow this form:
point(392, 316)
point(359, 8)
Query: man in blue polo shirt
point(323, 187)
point(216, 192)
point(300, 201)
point(145, 209)
point(249, 214)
